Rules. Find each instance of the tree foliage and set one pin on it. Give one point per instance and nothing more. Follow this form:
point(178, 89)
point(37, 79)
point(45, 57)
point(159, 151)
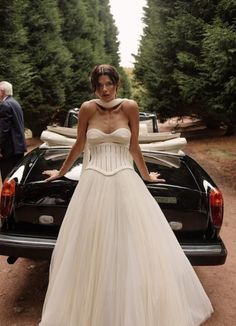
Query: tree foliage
point(14, 64)
point(219, 66)
point(111, 44)
point(48, 49)
point(50, 60)
point(78, 37)
point(186, 60)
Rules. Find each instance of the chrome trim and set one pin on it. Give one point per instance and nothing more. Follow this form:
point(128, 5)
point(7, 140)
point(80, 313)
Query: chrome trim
point(36, 242)
point(189, 250)
point(202, 249)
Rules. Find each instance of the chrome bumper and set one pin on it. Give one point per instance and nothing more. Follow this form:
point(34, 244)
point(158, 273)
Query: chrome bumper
point(206, 254)
point(34, 247)
point(28, 247)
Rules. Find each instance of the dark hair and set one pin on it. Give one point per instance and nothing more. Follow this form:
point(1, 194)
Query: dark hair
point(101, 70)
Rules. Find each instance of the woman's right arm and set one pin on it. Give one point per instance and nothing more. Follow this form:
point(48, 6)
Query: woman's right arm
point(77, 148)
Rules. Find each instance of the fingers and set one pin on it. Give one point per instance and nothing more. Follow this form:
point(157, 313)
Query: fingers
point(50, 172)
point(53, 175)
point(47, 172)
point(160, 180)
point(154, 174)
point(51, 178)
point(155, 177)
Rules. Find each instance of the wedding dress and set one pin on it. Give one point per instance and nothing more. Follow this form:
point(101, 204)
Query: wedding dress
point(117, 261)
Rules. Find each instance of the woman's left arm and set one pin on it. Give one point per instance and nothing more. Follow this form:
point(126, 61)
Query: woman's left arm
point(132, 111)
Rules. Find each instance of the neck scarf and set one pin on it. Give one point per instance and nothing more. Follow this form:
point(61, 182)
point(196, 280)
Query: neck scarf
point(109, 105)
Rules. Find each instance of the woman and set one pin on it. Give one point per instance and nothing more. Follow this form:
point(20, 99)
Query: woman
point(117, 261)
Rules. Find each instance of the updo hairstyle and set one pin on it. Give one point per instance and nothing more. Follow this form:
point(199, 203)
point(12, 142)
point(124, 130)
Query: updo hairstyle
point(101, 70)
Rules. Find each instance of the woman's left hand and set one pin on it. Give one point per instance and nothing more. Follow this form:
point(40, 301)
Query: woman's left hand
point(154, 177)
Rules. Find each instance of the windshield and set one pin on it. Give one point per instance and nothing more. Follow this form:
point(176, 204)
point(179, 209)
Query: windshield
point(145, 118)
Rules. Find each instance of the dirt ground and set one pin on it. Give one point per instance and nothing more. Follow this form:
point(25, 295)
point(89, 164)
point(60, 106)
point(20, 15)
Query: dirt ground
point(218, 157)
point(23, 285)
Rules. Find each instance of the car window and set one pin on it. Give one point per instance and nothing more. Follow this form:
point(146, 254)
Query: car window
point(148, 119)
point(73, 120)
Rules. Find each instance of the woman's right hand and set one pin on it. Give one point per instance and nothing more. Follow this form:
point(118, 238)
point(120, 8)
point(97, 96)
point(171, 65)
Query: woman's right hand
point(53, 175)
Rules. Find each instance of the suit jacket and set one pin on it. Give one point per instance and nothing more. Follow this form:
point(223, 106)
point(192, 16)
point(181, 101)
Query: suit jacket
point(12, 138)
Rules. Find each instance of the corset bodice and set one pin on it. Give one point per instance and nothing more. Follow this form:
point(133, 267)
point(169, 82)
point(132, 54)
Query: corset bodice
point(109, 153)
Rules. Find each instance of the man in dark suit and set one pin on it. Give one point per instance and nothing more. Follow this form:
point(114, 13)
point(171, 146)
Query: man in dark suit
point(12, 139)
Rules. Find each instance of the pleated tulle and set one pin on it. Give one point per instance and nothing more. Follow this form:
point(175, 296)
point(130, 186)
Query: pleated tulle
point(118, 263)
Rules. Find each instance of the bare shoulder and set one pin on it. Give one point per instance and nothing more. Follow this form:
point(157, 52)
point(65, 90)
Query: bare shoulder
point(130, 107)
point(87, 108)
point(130, 103)
point(88, 105)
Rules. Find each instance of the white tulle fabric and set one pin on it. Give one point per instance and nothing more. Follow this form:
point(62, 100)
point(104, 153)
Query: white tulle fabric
point(117, 261)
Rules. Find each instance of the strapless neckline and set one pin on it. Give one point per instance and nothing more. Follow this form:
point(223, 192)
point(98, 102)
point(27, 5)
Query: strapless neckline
point(110, 133)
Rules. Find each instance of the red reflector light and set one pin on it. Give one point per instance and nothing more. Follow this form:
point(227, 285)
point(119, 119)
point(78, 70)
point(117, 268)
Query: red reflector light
point(7, 197)
point(217, 207)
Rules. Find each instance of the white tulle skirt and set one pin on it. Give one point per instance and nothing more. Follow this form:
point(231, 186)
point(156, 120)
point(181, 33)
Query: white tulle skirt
point(118, 263)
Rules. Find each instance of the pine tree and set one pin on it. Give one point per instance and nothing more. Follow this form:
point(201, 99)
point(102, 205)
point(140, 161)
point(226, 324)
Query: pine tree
point(78, 35)
point(155, 61)
point(186, 60)
point(50, 61)
point(14, 63)
point(95, 29)
point(111, 44)
point(88, 48)
point(48, 50)
point(219, 66)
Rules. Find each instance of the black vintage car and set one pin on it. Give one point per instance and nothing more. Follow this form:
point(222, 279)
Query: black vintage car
point(32, 210)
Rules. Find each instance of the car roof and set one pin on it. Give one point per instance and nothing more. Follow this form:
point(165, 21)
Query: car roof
point(180, 153)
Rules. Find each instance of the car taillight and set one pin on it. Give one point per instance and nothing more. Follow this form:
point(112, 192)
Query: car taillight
point(7, 197)
point(217, 207)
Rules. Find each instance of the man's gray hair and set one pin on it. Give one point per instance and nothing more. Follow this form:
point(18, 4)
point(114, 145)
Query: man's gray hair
point(7, 87)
